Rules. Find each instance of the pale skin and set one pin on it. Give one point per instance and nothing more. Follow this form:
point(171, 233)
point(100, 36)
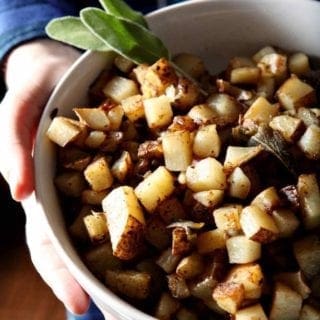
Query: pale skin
point(32, 71)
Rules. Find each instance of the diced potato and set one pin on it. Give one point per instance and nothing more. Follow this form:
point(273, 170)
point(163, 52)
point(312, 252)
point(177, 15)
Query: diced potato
point(299, 63)
point(266, 87)
point(211, 240)
point(95, 139)
point(93, 197)
point(261, 111)
point(94, 118)
point(237, 156)
point(167, 261)
point(100, 258)
point(171, 210)
point(245, 75)
point(308, 312)
point(96, 226)
point(119, 88)
point(115, 115)
point(207, 142)
point(178, 286)
point(125, 221)
point(73, 158)
point(155, 188)
point(190, 266)
point(122, 167)
point(206, 174)
point(133, 107)
point(226, 108)
point(262, 52)
point(296, 281)
point(123, 64)
point(289, 127)
point(227, 218)
point(309, 142)
point(70, 183)
point(63, 130)
point(309, 198)
point(209, 198)
point(250, 276)
point(254, 312)
point(202, 114)
point(177, 150)
point(295, 93)
point(191, 64)
point(258, 225)
point(239, 62)
point(286, 222)
point(286, 304)
point(275, 65)
point(166, 307)
point(158, 111)
point(229, 296)
point(267, 200)
point(181, 243)
point(243, 250)
point(239, 184)
point(98, 174)
point(133, 284)
point(307, 253)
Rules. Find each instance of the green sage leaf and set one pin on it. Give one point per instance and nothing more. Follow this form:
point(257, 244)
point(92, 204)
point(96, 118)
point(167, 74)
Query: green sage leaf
point(72, 31)
point(121, 9)
point(125, 37)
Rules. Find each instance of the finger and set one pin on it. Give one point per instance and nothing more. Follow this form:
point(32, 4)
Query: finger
point(49, 264)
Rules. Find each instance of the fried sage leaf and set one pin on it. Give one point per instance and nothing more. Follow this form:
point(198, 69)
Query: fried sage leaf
point(273, 142)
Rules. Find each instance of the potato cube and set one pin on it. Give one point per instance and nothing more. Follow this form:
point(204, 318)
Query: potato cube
point(119, 88)
point(190, 266)
point(267, 200)
point(202, 114)
point(309, 198)
point(177, 150)
point(123, 64)
point(299, 64)
point(94, 118)
point(171, 210)
point(93, 197)
point(132, 284)
point(98, 174)
point(73, 158)
point(254, 312)
point(70, 183)
point(262, 52)
point(245, 75)
point(274, 65)
point(115, 115)
point(239, 184)
point(166, 307)
point(286, 304)
point(158, 111)
point(167, 261)
point(243, 250)
point(181, 243)
point(266, 87)
point(178, 286)
point(155, 188)
point(211, 240)
point(309, 142)
point(258, 225)
point(207, 142)
point(125, 222)
point(295, 93)
point(227, 218)
point(95, 139)
point(96, 226)
point(206, 174)
point(122, 167)
point(286, 222)
point(307, 253)
point(261, 111)
point(133, 107)
point(209, 198)
point(229, 296)
point(63, 130)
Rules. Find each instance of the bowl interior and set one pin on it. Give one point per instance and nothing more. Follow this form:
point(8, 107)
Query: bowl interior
point(215, 30)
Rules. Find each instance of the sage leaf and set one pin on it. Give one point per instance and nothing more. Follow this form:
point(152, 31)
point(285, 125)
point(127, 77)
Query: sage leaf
point(273, 142)
point(72, 31)
point(125, 37)
point(120, 9)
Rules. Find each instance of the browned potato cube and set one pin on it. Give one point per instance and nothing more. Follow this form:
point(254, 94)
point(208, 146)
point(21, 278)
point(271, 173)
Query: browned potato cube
point(267, 200)
point(190, 266)
point(227, 218)
point(96, 226)
point(254, 312)
point(133, 107)
point(94, 118)
point(309, 142)
point(178, 286)
point(209, 198)
point(299, 63)
point(209, 241)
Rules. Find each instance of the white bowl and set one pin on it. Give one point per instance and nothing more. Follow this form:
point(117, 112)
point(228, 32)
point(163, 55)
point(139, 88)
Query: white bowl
point(213, 29)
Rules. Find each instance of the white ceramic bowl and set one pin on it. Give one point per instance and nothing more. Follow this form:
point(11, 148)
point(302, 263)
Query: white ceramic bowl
point(213, 29)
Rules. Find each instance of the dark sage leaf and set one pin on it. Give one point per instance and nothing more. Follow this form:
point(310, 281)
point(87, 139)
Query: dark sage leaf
point(273, 142)
point(120, 9)
point(126, 38)
point(72, 31)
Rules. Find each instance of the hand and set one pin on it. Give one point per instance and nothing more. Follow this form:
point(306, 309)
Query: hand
point(32, 71)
